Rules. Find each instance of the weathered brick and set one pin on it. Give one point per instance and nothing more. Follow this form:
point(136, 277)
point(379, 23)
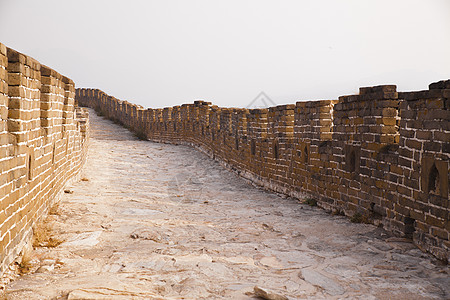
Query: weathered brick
point(441, 136)
point(443, 84)
point(414, 144)
point(432, 146)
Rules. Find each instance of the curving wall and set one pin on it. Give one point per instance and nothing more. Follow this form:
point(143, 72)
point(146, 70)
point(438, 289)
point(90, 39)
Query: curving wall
point(42, 145)
point(380, 156)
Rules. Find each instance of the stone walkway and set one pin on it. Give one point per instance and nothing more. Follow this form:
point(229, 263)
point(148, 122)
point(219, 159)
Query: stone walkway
point(157, 221)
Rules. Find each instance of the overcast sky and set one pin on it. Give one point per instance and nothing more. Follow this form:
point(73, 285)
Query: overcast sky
point(168, 52)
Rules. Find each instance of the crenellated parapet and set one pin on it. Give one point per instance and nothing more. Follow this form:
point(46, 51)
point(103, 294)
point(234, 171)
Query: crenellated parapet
point(43, 136)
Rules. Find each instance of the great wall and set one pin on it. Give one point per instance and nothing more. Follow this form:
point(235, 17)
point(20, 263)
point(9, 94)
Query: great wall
point(42, 145)
point(380, 157)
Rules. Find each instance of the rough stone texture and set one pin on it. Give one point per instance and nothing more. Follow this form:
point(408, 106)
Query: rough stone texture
point(381, 155)
point(160, 221)
point(42, 145)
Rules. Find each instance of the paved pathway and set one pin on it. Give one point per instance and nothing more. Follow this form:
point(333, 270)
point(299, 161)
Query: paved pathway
point(158, 221)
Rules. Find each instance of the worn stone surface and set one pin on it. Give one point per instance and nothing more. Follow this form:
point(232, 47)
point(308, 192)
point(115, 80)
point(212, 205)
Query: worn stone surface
point(158, 221)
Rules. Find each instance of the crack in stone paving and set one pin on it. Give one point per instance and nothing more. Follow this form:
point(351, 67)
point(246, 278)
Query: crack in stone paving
point(159, 221)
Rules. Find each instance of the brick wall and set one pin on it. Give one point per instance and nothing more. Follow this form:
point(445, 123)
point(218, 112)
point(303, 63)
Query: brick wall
point(42, 145)
point(381, 156)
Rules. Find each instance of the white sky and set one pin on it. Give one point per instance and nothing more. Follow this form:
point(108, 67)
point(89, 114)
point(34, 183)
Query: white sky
point(169, 52)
